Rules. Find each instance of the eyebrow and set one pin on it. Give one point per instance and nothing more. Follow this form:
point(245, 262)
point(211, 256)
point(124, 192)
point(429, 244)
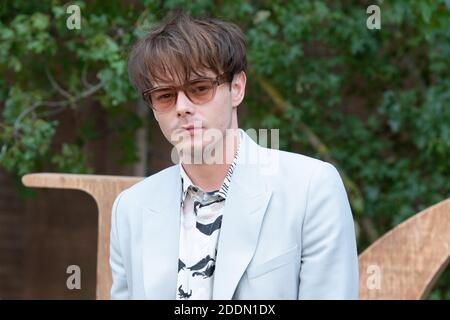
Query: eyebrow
point(192, 79)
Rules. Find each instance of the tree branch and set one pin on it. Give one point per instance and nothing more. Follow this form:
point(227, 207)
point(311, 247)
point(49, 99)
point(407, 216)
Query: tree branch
point(56, 86)
point(56, 104)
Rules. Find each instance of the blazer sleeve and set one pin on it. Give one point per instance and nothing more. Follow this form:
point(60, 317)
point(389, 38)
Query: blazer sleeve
point(329, 261)
point(119, 289)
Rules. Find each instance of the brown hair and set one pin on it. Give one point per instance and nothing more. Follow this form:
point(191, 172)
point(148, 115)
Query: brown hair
point(182, 45)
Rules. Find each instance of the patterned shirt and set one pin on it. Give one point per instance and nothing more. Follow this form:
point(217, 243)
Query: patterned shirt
point(201, 219)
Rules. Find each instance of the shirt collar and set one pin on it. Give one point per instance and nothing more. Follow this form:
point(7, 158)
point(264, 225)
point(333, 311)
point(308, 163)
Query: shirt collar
point(186, 182)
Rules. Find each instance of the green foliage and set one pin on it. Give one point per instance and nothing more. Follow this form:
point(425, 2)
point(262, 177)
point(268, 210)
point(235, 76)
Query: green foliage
point(378, 99)
point(71, 159)
point(50, 69)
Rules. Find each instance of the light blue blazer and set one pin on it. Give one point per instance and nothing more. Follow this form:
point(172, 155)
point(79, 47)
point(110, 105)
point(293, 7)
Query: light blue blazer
point(287, 232)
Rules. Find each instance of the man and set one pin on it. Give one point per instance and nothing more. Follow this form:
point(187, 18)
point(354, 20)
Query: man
point(257, 224)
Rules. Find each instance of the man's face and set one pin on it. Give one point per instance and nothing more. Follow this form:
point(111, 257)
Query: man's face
point(209, 119)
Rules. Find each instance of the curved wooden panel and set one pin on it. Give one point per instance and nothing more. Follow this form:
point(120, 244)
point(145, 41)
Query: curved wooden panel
point(406, 261)
point(104, 189)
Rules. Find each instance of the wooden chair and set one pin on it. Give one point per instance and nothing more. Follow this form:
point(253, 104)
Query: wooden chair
point(402, 264)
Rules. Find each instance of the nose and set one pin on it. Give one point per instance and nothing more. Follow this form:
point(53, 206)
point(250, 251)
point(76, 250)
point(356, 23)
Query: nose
point(183, 105)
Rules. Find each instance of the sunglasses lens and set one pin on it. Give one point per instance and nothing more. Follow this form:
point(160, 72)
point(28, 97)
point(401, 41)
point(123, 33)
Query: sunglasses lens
point(201, 91)
point(163, 99)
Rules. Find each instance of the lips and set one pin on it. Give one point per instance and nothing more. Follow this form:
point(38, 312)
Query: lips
point(188, 127)
point(191, 127)
point(192, 130)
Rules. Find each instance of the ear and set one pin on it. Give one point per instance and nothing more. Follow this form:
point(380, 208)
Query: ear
point(238, 88)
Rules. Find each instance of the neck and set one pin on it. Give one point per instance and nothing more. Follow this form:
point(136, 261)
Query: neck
point(209, 177)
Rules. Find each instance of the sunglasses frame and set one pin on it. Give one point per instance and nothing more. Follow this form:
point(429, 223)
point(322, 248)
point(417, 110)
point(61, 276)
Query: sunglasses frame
point(217, 81)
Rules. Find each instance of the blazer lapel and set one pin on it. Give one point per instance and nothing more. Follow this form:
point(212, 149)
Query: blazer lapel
point(243, 214)
point(161, 233)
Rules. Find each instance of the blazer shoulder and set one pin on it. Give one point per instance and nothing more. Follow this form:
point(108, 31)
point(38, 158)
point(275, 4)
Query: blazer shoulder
point(299, 163)
point(148, 185)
